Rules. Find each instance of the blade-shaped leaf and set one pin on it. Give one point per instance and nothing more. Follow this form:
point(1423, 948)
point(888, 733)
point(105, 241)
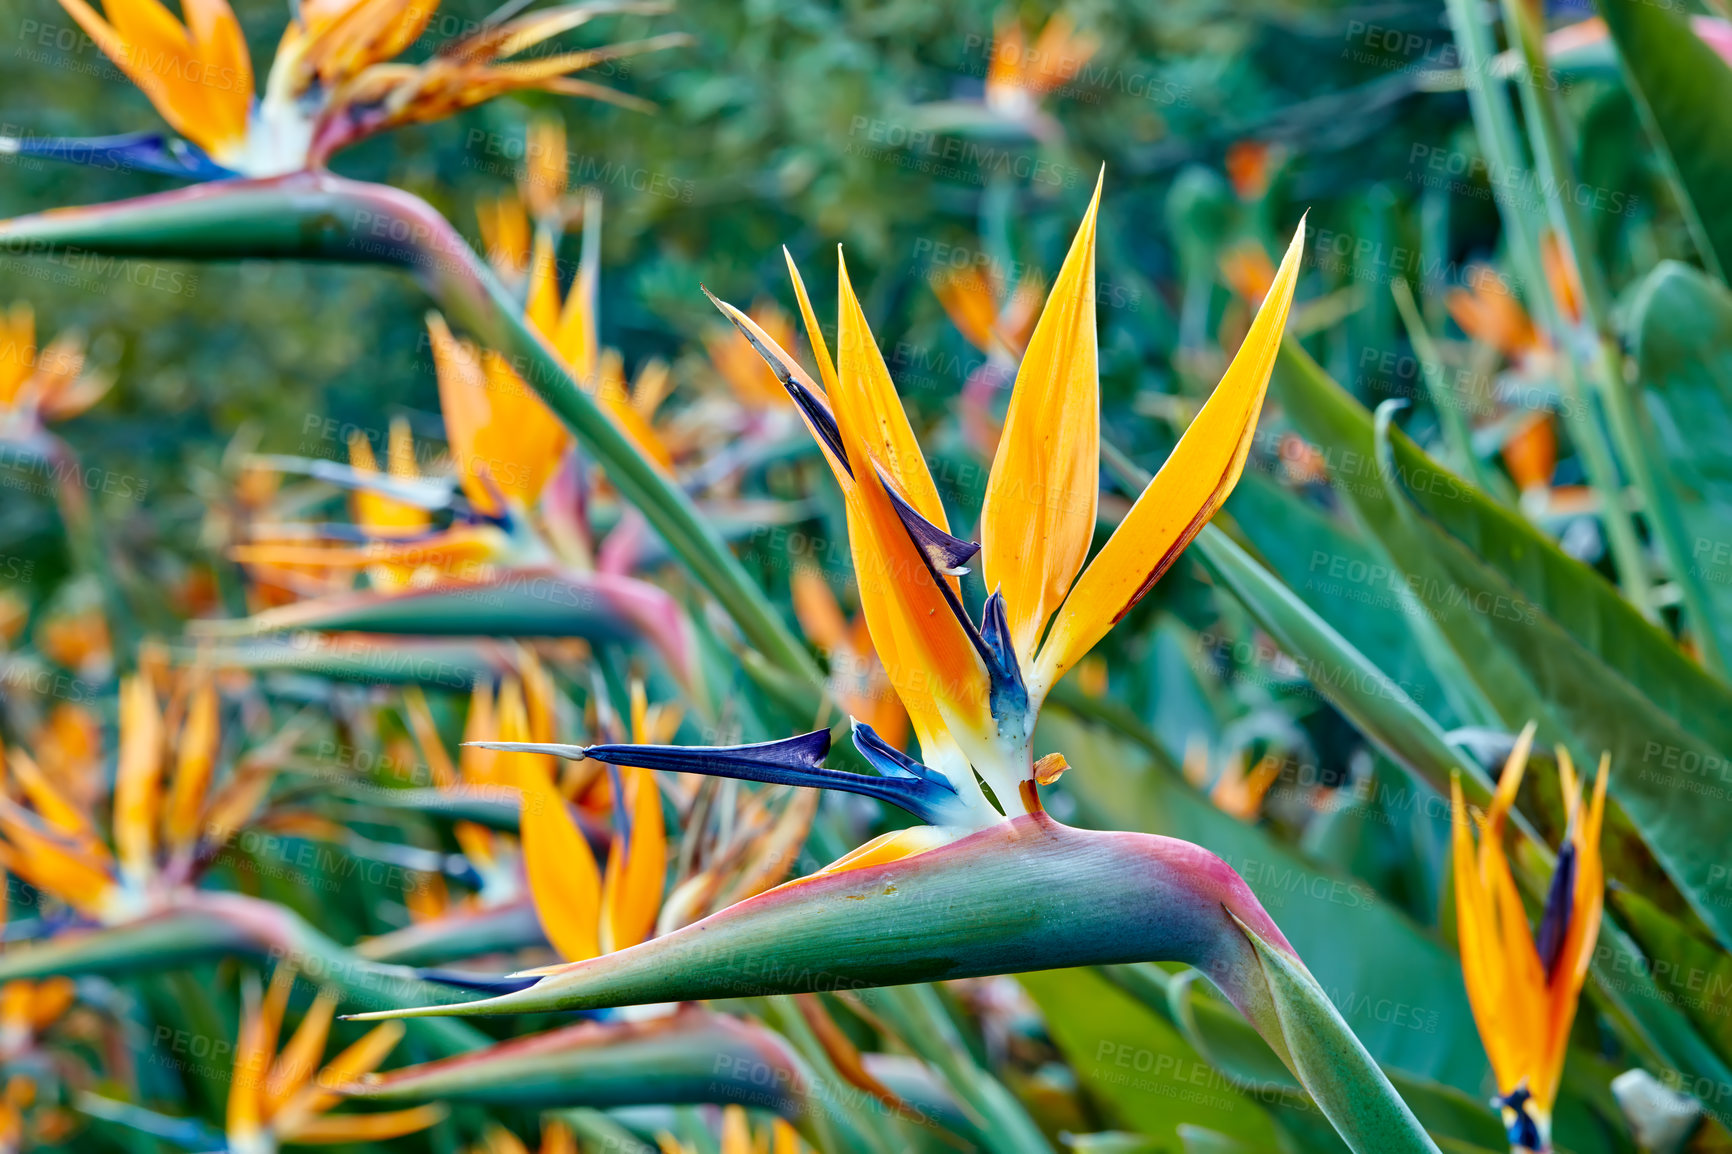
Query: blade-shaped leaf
point(1334, 1065)
point(1148, 1077)
point(1401, 991)
point(462, 933)
point(1342, 430)
point(1684, 92)
point(692, 1056)
point(520, 603)
point(207, 926)
point(1681, 334)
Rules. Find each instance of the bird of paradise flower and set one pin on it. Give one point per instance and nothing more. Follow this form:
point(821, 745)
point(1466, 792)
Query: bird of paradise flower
point(1523, 987)
point(334, 80)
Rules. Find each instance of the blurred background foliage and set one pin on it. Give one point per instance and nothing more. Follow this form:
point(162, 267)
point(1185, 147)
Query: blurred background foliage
point(811, 125)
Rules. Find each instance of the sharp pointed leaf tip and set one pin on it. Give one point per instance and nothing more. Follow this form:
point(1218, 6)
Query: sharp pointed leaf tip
point(813, 407)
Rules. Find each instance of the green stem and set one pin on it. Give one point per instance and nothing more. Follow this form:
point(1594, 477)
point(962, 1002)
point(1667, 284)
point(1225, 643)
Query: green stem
point(1455, 428)
point(1494, 121)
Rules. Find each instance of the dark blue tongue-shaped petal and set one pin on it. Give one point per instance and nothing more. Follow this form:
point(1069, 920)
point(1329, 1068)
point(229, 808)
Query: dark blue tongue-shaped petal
point(790, 761)
point(944, 553)
point(1560, 900)
point(892, 762)
point(815, 408)
point(139, 151)
point(947, 555)
point(1009, 694)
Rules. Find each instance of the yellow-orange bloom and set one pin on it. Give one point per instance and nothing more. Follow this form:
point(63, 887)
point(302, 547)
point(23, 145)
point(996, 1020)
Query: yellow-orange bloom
point(971, 689)
point(584, 910)
point(1488, 312)
point(158, 826)
point(333, 81)
point(285, 1097)
point(40, 385)
point(1019, 74)
point(1523, 987)
point(505, 442)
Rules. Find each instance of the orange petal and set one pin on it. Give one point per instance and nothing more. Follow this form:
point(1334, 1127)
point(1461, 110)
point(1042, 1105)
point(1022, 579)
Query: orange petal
point(50, 803)
point(333, 1129)
point(736, 1131)
point(636, 870)
point(363, 1057)
point(814, 334)
point(1039, 513)
point(137, 779)
point(866, 401)
point(295, 1066)
point(1178, 502)
point(196, 758)
point(542, 308)
point(815, 608)
point(972, 305)
point(563, 879)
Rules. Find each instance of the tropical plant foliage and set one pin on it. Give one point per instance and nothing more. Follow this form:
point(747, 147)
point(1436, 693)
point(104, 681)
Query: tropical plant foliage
point(866, 578)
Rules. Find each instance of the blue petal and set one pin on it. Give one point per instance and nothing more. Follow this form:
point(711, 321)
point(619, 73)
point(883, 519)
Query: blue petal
point(1560, 899)
point(1009, 697)
point(892, 762)
point(790, 761)
point(141, 151)
point(948, 555)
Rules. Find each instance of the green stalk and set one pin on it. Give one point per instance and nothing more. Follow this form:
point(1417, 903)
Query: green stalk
point(1606, 361)
point(1455, 428)
point(921, 1020)
point(316, 216)
point(1494, 122)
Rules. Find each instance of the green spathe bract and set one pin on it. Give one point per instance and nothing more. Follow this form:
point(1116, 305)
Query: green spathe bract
point(1026, 893)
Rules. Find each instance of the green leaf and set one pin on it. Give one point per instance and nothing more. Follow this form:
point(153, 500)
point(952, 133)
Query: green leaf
point(404, 660)
point(1398, 987)
point(1229, 1045)
point(1546, 637)
point(1684, 91)
point(1380, 706)
point(1680, 330)
point(1693, 974)
point(208, 925)
point(494, 806)
point(462, 933)
point(1342, 430)
point(1149, 1079)
point(693, 1056)
point(520, 603)
point(1343, 1080)
point(1344, 579)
